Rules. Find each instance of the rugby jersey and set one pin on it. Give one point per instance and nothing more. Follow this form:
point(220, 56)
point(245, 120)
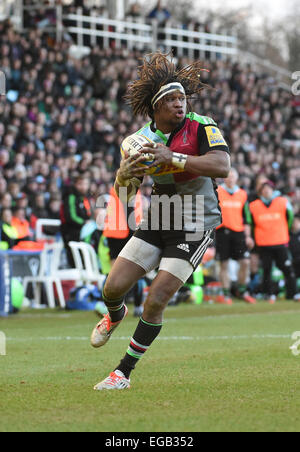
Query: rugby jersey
point(197, 136)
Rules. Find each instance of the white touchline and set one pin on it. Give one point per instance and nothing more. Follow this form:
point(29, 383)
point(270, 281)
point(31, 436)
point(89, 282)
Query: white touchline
point(162, 338)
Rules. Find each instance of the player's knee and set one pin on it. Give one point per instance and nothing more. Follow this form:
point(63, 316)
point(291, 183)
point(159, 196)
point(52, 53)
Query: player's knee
point(158, 299)
point(112, 290)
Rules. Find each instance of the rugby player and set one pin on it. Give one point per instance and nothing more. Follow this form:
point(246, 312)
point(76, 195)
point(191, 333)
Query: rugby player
point(182, 141)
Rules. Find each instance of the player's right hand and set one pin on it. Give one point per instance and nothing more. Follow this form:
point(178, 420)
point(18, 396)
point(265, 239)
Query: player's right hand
point(129, 167)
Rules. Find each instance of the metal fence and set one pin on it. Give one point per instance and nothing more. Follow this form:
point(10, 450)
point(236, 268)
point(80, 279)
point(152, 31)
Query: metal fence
point(135, 33)
point(12, 9)
point(130, 33)
point(87, 31)
point(284, 76)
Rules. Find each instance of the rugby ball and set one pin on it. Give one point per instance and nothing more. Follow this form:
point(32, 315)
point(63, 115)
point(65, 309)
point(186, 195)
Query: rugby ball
point(133, 145)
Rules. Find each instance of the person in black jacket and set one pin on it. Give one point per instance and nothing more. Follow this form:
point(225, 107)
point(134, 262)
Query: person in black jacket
point(295, 245)
point(75, 213)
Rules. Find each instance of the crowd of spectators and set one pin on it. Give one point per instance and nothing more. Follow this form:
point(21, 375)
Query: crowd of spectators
point(65, 116)
point(44, 15)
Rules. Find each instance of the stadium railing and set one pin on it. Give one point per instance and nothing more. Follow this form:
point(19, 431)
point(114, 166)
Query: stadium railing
point(12, 9)
point(146, 36)
point(284, 76)
point(130, 33)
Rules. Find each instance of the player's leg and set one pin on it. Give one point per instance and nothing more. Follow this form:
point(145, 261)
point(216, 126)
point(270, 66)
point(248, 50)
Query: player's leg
point(284, 263)
point(266, 256)
point(224, 297)
point(162, 289)
point(243, 277)
point(242, 255)
point(135, 260)
point(223, 250)
point(115, 247)
point(176, 266)
point(254, 270)
point(122, 277)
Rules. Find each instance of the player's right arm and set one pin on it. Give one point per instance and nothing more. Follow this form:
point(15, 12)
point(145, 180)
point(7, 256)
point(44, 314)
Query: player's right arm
point(129, 177)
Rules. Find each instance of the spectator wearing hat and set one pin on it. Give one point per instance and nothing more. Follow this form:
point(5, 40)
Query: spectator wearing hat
point(272, 218)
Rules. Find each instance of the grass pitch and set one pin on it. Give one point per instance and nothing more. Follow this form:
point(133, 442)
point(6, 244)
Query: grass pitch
point(213, 368)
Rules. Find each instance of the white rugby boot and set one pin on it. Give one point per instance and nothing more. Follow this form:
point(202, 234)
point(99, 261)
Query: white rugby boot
point(104, 329)
point(116, 380)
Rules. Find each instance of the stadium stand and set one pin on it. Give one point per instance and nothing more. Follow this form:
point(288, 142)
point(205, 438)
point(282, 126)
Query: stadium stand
point(66, 116)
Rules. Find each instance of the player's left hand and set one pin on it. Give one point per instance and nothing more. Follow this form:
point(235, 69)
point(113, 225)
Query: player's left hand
point(162, 154)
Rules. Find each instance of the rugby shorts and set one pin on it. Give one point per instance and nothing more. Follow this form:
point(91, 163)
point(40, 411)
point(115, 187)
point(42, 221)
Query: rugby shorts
point(167, 250)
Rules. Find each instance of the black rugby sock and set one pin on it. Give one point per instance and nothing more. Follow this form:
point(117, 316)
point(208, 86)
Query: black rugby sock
point(143, 337)
point(116, 308)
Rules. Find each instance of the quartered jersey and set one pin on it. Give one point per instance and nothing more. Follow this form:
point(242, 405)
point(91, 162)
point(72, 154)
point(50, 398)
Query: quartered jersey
point(197, 136)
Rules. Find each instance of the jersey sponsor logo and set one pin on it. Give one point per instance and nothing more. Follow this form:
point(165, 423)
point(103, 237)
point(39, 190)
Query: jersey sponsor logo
point(214, 136)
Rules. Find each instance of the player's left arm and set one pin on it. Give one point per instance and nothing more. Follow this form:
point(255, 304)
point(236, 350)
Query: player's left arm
point(214, 155)
point(215, 164)
point(213, 159)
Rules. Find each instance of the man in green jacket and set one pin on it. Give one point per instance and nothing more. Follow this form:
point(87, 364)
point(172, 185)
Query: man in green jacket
point(75, 213)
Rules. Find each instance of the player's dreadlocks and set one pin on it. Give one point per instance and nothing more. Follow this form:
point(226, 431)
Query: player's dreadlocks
point(156, 71)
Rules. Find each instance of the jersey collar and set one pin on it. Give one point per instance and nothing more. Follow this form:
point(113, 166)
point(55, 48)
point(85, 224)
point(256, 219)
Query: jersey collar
point(167, 140)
